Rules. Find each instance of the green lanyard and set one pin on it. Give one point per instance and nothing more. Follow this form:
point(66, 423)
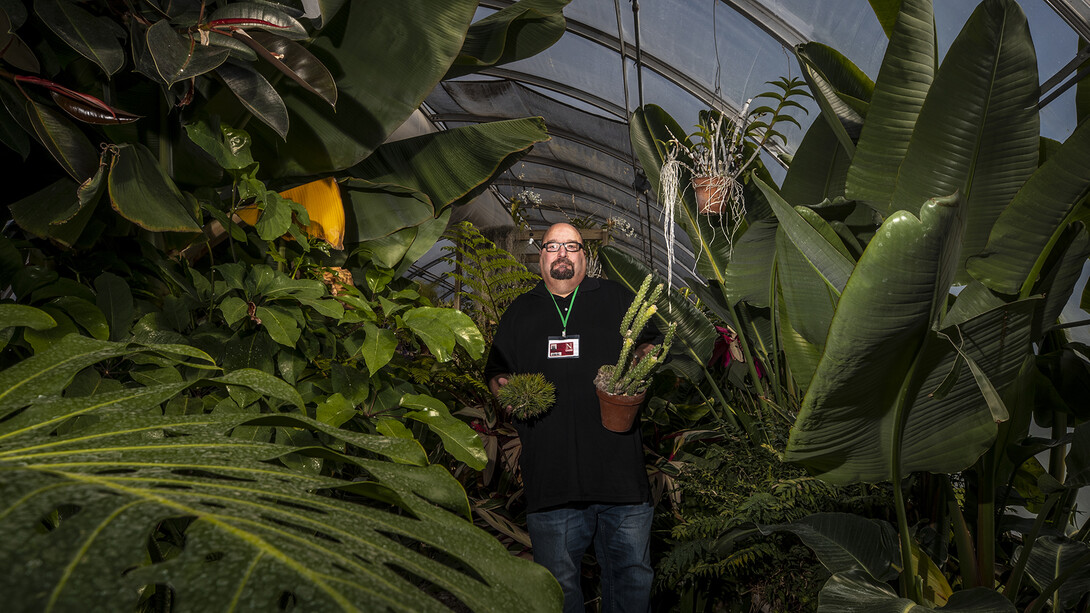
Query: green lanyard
point(563, 317)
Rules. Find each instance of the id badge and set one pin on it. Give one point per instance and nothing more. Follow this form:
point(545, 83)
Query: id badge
point(563, 347)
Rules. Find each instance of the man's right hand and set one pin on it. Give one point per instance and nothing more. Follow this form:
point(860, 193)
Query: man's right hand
point(494, 384)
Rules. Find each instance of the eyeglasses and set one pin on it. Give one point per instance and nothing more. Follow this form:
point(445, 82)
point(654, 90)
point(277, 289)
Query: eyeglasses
point(572, 246)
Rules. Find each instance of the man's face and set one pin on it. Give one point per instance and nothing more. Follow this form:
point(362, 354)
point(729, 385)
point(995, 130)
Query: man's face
point(563, 265)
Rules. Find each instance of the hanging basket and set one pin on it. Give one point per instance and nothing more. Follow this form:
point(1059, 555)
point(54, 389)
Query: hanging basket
point(711, 194)
point(619, 412)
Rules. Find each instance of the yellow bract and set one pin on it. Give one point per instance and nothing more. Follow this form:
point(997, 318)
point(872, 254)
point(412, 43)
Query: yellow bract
point(322, 200)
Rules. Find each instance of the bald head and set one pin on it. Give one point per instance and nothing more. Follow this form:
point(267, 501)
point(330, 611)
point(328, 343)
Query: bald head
point(563, 270)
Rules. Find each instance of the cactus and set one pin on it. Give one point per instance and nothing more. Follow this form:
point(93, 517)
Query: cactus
point(529, 395)
point(628, 377)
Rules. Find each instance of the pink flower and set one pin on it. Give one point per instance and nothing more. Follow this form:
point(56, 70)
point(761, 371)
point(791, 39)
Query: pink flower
point(729, 349)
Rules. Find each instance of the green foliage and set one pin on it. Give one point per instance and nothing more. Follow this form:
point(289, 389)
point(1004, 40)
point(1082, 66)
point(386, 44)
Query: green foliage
point(89, 476)
point(491, 277)
point(529, 394)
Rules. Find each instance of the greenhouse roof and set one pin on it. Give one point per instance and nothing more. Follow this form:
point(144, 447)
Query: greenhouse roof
point(684, 56)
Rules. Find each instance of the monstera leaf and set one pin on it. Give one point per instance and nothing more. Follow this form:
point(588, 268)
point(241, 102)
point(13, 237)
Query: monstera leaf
point(94, 485)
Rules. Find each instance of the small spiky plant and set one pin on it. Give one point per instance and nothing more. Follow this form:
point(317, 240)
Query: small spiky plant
point(530, 395)
point(628, 377)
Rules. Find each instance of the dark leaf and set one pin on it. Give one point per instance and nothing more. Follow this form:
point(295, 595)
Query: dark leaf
point(82, 110)
point(12, 48)
point(83, 32)
point(142, 193)
point(294, 61)
point(64, 141)
point(518, 31)
point(177, 57)
point(251, 15)
point(257, 95)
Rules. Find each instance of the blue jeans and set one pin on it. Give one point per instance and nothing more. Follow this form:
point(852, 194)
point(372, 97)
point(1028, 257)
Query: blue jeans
point(622, 544)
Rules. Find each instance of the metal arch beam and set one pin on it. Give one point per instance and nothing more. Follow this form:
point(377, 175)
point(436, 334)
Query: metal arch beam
point(761, 16)
point(572, 168)
point(524, 77)
point(553, 131)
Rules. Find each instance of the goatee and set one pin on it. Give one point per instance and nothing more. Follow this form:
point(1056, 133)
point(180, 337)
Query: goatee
point(562, 274)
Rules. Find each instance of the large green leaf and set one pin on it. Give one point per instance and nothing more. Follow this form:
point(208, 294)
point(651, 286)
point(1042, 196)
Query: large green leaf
point(417, 41)
point(842, 91)
point(518, 31)
point(843, 541)
point(815, 239)
point(459, 439)
point(453, 166)
point(903, 80)
point(1078, 458)
point(1025, 231)
point(855, 592)
point(19, 315)
point(378, 347)
point(441, 329)
point(37, 212)
point(818, 169)
point(749, 275)
point(808, 301)
point(255, 533)
point(89, 35)
point(1051, 556)
point(978, 130)
point(896, 291)
point(142, 193)
point(694, 334)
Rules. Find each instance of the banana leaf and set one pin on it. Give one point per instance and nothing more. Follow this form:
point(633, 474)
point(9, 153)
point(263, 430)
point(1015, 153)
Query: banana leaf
point(520, 30)
point(978, 130)
point(1024, 233)
point(841, 89)
point(855, 592)
point(903, 80)
point(387, 56)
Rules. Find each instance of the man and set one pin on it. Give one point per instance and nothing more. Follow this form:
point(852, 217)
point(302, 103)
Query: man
point(583, 483)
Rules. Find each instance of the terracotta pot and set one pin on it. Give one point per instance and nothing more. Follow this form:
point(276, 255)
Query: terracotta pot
point(618, 412)
point(711, 194)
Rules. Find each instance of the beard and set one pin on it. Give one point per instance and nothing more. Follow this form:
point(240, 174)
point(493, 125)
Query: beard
point(562, 269)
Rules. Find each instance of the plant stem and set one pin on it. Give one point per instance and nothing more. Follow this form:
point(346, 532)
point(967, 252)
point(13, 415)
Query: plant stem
point(970, 574)
point(750, 365)
point(985, 526)
point(1028, 541)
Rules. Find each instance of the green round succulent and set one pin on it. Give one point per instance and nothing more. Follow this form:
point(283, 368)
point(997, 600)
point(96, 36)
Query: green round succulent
point(529, 395)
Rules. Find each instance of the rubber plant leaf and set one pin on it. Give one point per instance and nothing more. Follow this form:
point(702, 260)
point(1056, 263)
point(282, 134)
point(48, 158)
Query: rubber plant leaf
point(417, 39)
point(92, 111)
point(127, 475)
point(177, 57)
point(68, 145)
point(695, 334)
point(294, 61)
point(88, 34)
point(252, 15)
point(256, 94)
point(908, 68)
point(1023, 235)
point(978, 132)
point(12, 48)
point(515, 32)
point(142, 193)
